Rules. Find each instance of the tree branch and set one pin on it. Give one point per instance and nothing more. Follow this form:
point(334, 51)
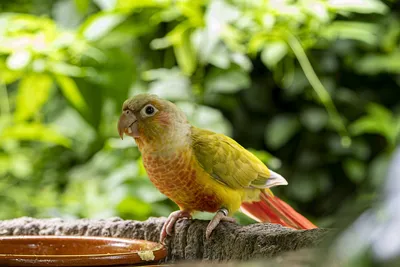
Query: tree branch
point(228, 242)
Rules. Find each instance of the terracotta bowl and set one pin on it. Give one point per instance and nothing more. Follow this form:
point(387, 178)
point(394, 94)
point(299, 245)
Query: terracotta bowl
point(77, 251)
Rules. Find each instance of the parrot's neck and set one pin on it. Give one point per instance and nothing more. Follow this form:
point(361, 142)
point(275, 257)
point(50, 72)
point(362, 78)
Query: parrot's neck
point(168, 142)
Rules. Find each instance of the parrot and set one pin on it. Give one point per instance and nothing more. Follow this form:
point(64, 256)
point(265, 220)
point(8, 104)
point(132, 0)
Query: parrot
point(201, 170)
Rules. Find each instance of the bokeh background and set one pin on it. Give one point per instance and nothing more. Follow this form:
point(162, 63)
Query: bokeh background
point(311, 87)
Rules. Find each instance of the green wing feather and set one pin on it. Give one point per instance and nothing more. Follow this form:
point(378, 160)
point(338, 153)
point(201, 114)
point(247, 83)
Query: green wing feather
point(231, 164)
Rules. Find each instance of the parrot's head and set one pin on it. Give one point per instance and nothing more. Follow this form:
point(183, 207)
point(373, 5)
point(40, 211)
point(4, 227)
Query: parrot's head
point(152, 121)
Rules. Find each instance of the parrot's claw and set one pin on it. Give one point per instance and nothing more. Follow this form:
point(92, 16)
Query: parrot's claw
point(168, 226)
point(222, 215)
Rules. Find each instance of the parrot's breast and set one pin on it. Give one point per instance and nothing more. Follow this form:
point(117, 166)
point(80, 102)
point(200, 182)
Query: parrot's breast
point(180, 178)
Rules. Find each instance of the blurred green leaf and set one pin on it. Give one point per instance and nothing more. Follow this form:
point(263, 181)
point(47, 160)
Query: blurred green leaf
point(227, 81)
point(106, 4)
point(82, 5)
point(273, 52)
point(378, 120)
point(206, 117)
point(134, 208)
point(303, 187)
point(5, 162)
point(131, 5)
point(360, 149)
point(168, 83)
point(93, 96)
point(68, 14)
point(361, 31)
point(220, 57)
point(280, 130)
point(6, 75)
point(114, 76)
point(206, 40)
point(314, 118)
point(19, 59)
point(62, 68)
point(185, 55)
point(34, 132)
point(71, 93)
point(355, 170)
point(242, 61)
point(319, 10)
point(100, 24)
point(374, 64)
point(33, 92)
point(360, 6)
point(377, 170)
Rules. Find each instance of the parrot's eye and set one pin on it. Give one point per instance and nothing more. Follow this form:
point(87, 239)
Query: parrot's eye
point(148, 110)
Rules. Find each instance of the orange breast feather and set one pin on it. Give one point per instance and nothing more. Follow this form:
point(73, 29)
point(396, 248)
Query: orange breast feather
point(180, 178)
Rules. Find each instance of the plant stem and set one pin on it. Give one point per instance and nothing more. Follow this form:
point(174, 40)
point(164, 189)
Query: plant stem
point(319, 88)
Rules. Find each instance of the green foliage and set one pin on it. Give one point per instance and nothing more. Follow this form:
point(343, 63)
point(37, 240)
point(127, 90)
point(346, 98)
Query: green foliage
point(378, 120)
point(280, 130)
point(311, 82)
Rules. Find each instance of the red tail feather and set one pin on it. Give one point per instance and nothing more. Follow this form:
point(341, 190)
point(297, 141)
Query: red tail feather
point(271, 209)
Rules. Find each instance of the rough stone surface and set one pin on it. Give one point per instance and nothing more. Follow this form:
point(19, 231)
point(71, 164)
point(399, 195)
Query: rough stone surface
point(229, 241)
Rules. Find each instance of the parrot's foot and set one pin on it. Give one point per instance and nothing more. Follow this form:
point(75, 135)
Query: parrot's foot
point(169, 224)
point(222, 215)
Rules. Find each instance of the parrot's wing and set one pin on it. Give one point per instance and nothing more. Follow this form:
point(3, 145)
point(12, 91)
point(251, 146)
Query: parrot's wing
point(231, 164)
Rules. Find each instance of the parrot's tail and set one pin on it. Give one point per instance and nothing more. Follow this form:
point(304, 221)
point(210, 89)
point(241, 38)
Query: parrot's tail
point(271, 209)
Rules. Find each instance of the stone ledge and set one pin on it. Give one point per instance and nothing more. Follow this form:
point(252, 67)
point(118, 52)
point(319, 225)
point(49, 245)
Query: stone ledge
point(228, 242)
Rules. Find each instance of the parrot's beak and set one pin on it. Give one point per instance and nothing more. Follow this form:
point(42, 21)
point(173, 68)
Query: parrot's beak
point(127, 124)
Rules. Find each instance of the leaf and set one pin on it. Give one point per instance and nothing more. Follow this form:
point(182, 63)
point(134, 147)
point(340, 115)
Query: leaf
point(256, 42)
point(378, 120)
point(303, 187)
point(206, 117)
point(8, 76)
point(227, 81)
point(360, 31)
point(100, 24)
point(273, 52)
point(94, 97)
point(280, 130)
point(355, 170)
point(134, 208)
point(318, 10)
point(242, 60)
point(131, 5)
point(19, 59)
point(359, 6)
point(69, 14)
point(217, 17)
point(71, 92)
point(185, 54)
point(373, 64)
point(220, 57)
point(82, 5)
point(115, 75)
point(378, 170)
point(106, 4)
point(220, 13)
point(314, 118)
point(33, 92)
point(168, 83)
point(34, 132)
point(361, 149)
point(63, 68)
